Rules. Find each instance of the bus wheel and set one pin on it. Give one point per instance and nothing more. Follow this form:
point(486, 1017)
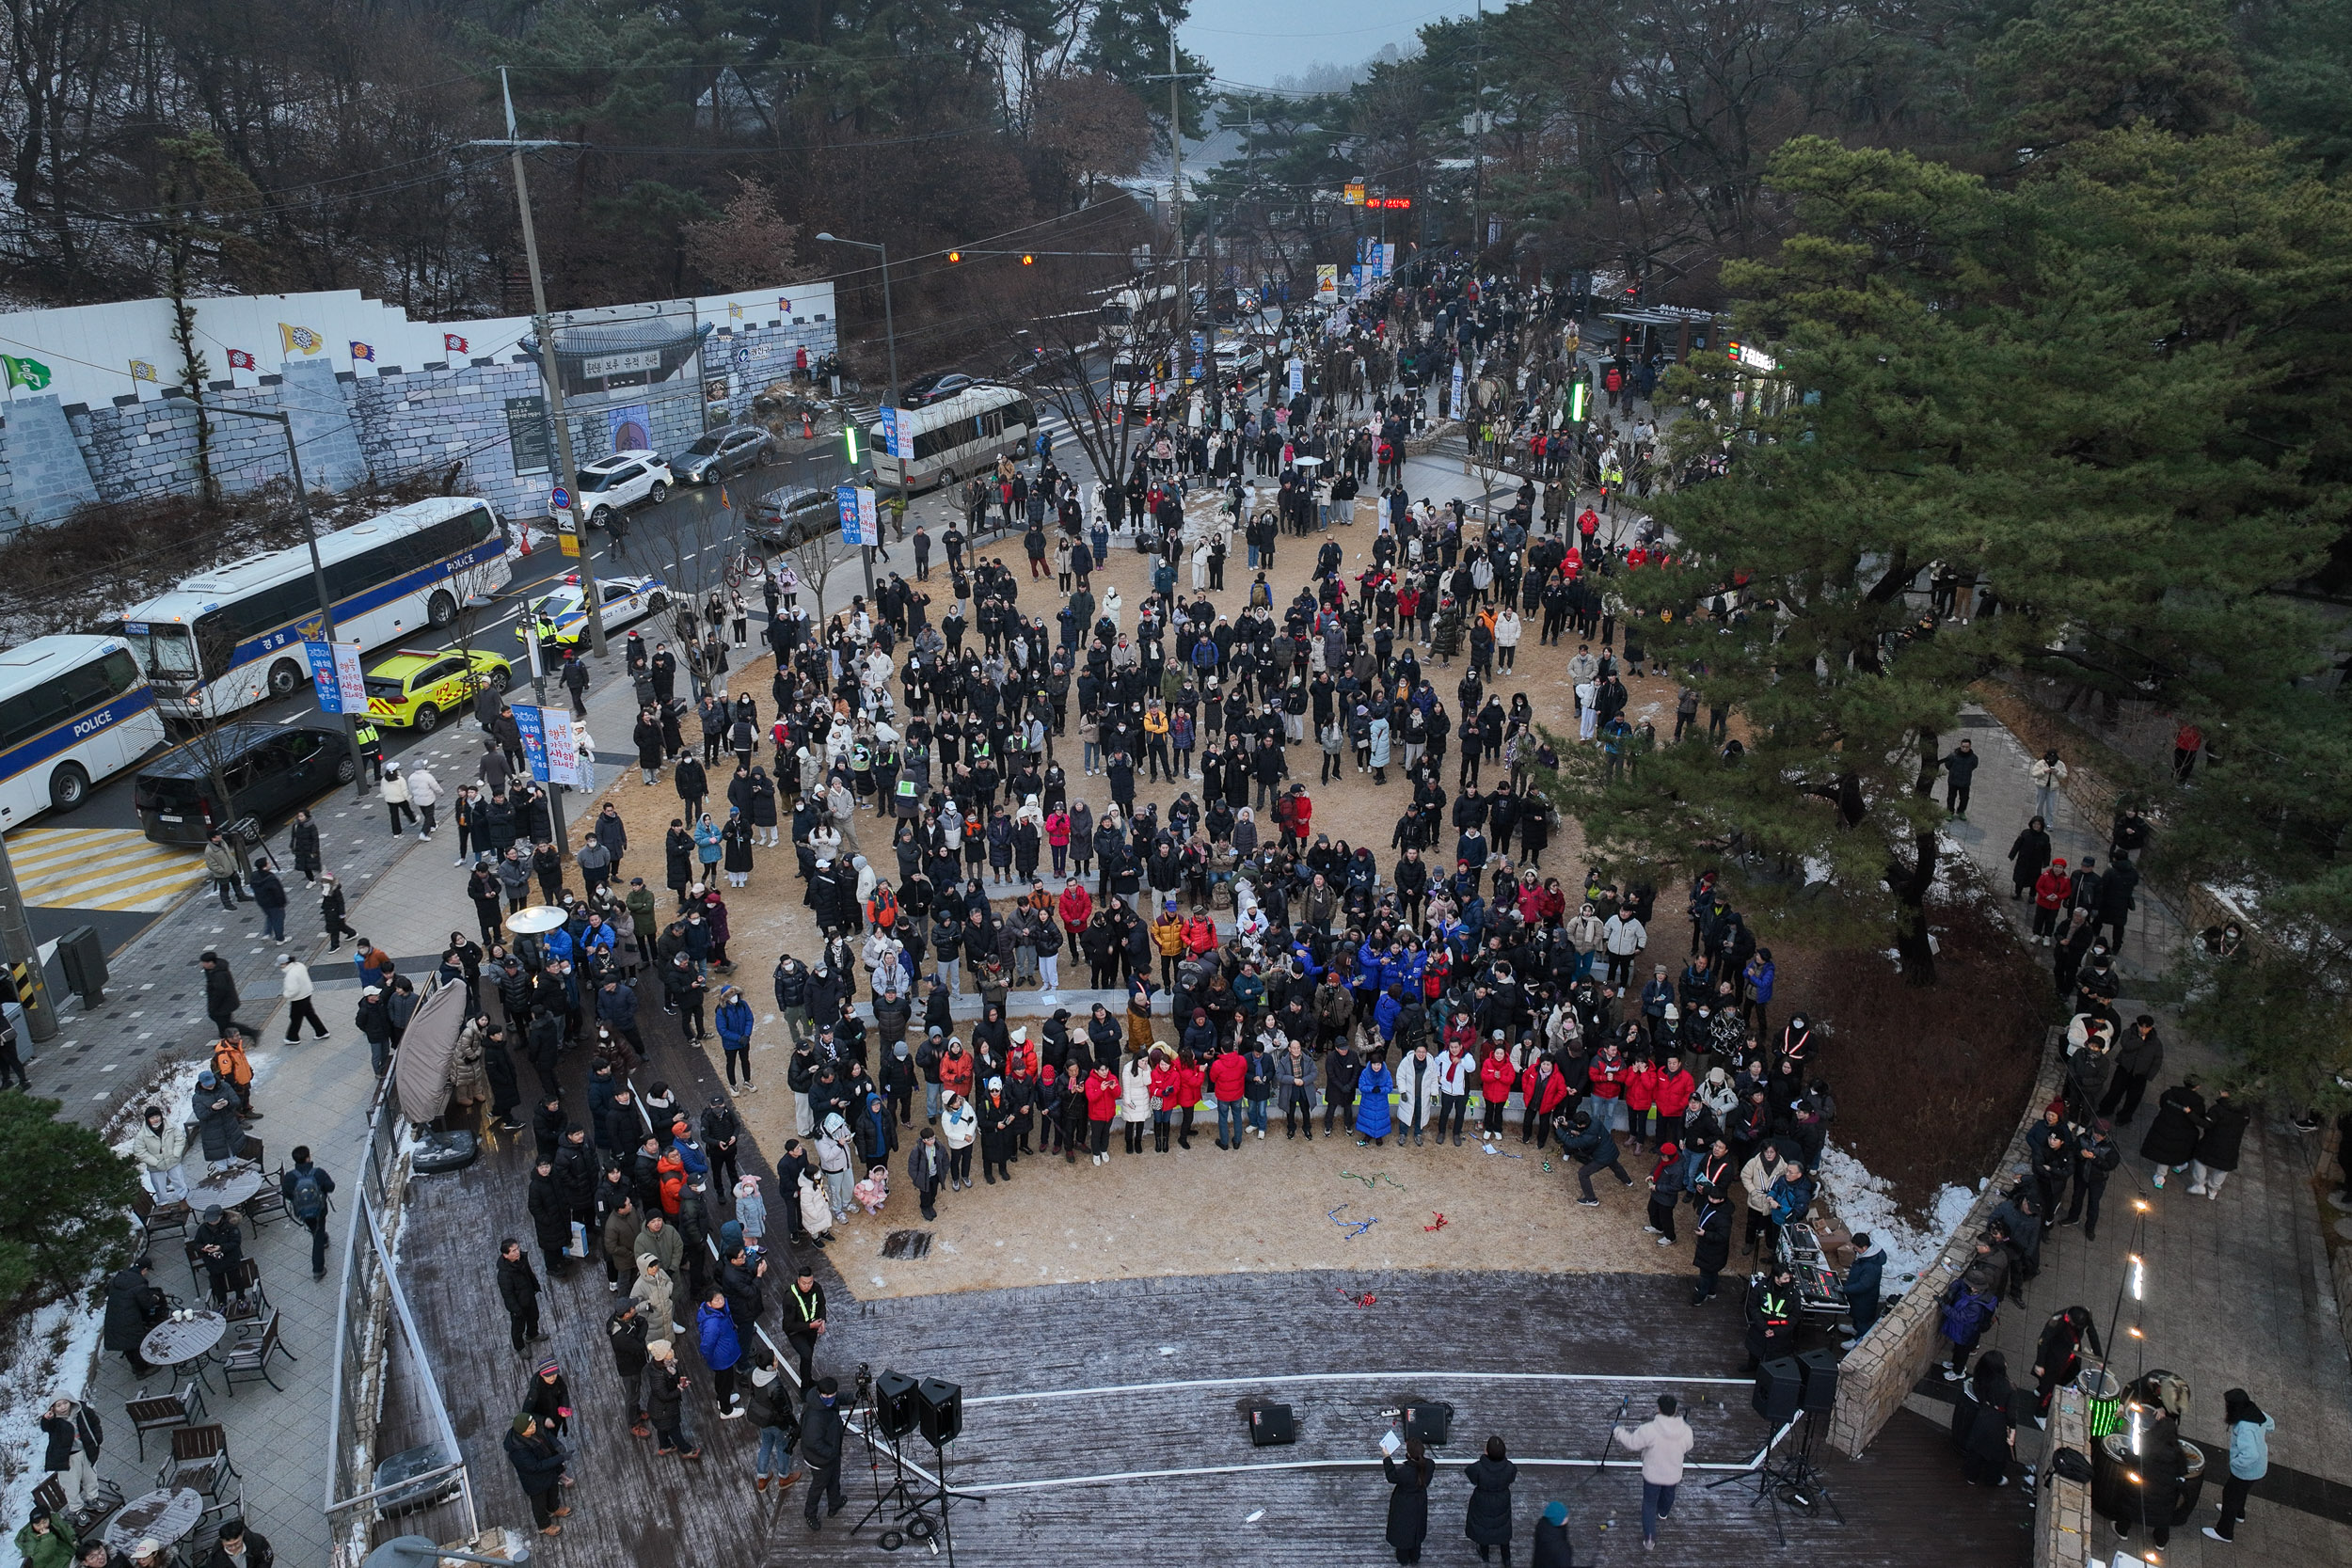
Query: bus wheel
point(441, 608)
point(285, 677)
point(69, 786)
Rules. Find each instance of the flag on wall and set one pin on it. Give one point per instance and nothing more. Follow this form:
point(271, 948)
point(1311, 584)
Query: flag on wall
point(735, 311)
point(29, 373)
point(299, 339)
point(453, 344)
point(363, 351)
point(142, 370)
point(240, 360)
point(784, 306)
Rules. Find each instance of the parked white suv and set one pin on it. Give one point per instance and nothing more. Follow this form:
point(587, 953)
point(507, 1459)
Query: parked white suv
point(622, 481)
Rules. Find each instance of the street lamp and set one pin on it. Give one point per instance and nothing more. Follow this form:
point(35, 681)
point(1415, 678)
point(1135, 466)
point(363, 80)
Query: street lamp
point(284, 422)
point(890, 341)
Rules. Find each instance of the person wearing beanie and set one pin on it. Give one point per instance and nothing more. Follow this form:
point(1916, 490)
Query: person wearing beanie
point(820, 1449)
point(768, 1405)
point(44, 1541)
point(538, 1469)
point(549, 1400)
point(666, 1402)
point(1552, 1547)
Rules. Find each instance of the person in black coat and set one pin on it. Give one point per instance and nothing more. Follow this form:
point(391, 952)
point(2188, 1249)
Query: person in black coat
point(519, 1293)
point(2028, 855)
point(820, 1449)
point(1714, 1250)
point(1488, 1524)
point(2180, 1123)
point(550, 1220)
point(539, 1468)
point(133, 1306)
point(1985, 1421)
point(1552, 1547)
point(2218, 1147)
point(1408, 1500)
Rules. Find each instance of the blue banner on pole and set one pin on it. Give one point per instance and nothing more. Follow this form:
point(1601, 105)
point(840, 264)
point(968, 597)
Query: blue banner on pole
point(321, 657)
point(535, 740)
point(852, 528)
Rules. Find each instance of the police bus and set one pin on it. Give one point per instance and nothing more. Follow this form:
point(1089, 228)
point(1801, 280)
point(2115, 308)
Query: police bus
point(957, 437)
point(74, 712)
point(230, 638)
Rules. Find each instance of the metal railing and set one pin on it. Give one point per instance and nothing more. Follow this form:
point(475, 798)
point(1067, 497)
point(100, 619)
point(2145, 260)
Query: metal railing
point(377, 1345)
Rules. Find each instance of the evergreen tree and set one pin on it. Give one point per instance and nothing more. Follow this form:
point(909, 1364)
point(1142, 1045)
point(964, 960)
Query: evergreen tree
point(65, 1202)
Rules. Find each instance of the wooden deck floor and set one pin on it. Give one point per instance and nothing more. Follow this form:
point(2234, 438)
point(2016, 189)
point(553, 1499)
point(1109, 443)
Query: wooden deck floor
point(1427, 1336)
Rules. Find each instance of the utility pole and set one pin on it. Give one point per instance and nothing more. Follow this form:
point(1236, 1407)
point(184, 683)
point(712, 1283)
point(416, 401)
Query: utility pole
point(317, 571)
point(1478, 140)
point(1176, 200)
point(589, 598)
point(889, 400)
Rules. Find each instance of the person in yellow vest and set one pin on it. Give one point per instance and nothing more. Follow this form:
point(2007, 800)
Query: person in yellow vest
point(372, 749)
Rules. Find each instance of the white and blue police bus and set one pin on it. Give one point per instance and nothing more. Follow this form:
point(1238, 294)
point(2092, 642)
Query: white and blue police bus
point(231, 637)
point(74, 712)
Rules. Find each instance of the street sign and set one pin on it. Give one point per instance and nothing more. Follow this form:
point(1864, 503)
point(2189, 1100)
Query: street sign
point(1327, 282)
point(558, 499)
point(859, 524)
point(1299, 376)
point(335, 672)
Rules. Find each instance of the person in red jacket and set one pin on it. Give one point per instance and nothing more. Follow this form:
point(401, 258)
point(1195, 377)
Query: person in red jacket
point(1102, 1092)
point(1607, 1074)
point(1302, 816)
point(1228, 1075)
point(2050, 891)
point(1495, 1079)
point(1200, 933)
point(1543, 1089)
point(1641, 1097)
point(1675, 1089)
point(1077, 908)
point(1191, 1078)
point(1167, 1090)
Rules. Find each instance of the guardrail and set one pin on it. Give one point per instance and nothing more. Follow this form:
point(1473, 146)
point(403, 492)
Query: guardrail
point(375, 1333)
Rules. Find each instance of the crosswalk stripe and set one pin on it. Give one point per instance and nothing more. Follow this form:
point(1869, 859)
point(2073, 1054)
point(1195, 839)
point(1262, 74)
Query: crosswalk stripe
point(103, 868)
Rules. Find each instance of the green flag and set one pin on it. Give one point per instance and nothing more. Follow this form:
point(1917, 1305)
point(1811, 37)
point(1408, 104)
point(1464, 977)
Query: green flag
point(24, 373)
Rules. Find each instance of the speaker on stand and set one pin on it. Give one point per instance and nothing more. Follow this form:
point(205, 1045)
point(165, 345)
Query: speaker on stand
point(938, 1409)
point(889, 1411)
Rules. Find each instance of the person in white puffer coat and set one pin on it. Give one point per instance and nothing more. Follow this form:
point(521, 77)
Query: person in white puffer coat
point(159, 1146)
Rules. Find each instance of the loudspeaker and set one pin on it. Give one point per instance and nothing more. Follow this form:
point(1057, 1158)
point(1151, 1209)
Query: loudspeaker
point(894, 1404)
point(1272, 1425)
point(939, 1409)
point(1429, 1422)
point(1779, 1386)
point(1819, 1371)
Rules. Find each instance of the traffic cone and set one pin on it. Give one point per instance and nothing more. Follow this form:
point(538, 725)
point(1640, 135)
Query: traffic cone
point(808, 427)
point(526, 539)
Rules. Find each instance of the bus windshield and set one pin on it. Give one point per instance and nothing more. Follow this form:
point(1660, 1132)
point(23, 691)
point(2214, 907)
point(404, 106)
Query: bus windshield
point(165, 653)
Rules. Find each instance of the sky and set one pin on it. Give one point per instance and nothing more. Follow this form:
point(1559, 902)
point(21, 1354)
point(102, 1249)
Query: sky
point(1253, 43)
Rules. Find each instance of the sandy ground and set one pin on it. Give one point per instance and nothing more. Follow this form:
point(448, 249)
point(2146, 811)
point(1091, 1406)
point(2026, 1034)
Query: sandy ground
point(1087, 1223)
point(1265, 1206)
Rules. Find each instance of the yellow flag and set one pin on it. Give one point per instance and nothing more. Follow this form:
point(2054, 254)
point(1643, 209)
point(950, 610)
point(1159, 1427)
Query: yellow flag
point(299, 339)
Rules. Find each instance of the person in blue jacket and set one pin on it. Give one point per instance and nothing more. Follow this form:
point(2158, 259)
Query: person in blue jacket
point(1373, 1087)
point(722, 1349)
point(1384, 1014)
point(2250, 1459)
point(734, 1021)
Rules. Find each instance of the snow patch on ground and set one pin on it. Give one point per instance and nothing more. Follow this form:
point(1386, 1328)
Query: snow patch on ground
point(52, 1354)
point(1864, 1202)
point(173, 1089)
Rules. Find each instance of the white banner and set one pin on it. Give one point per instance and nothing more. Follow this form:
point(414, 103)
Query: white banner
point(564, 762)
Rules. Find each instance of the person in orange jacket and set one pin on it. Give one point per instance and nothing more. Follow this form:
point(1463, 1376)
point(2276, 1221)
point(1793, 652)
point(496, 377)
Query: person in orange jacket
point(228, 1060)
point(1167, 933)
point(881, 908)
point(1495, 1079)
point(1543, 1089)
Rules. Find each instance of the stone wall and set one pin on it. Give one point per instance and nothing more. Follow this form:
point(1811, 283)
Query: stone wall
point(1879, 1372)
point(2061, 1519)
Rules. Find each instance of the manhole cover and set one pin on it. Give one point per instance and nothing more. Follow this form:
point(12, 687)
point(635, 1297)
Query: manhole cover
point(907, 1243)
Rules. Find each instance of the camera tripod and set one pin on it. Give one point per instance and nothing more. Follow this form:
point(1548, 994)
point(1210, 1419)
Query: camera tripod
point(1796, 1481)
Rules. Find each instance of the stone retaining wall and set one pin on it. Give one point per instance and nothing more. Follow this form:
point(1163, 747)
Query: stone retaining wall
point(1879, 1372)
point(2061, 1519)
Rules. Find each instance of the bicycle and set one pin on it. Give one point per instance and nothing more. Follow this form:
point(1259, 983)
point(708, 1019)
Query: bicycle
point(746, 567)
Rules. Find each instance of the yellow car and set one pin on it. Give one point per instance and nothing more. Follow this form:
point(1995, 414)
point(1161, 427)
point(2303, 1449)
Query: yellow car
point(417, 691)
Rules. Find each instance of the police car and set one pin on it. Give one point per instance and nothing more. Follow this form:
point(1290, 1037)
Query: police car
point(416, 689)
point(561, 618)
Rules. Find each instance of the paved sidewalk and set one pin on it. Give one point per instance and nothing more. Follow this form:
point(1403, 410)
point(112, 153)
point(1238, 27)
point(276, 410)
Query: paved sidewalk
point(2239, 1293)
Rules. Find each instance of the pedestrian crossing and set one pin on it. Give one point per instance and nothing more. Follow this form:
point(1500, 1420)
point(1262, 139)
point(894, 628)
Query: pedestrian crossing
point(101, 868)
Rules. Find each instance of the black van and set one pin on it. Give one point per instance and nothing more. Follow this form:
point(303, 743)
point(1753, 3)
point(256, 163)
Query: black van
point(271, 770)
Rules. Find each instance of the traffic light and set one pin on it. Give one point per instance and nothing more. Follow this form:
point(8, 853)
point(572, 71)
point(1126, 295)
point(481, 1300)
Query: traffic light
point(1576, 399)
point(849, 442)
